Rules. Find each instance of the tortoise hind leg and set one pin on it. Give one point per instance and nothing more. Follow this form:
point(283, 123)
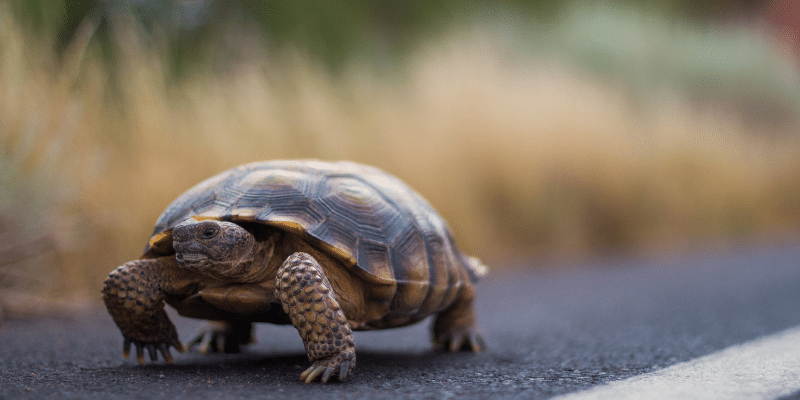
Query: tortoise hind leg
point(454, 328)
point(222, 337)
point(308, 298)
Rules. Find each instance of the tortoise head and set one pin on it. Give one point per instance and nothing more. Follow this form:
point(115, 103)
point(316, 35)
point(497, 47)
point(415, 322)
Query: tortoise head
point(223, 250)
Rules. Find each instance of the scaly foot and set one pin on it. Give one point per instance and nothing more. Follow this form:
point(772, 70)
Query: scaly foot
point(221, 337)
point(341, 365)
point(152, 349)
point(134, 296)
point(462, 340)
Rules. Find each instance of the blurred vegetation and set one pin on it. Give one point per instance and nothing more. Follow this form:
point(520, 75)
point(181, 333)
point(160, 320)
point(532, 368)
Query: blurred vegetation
point(331, 32)
point(538, 129)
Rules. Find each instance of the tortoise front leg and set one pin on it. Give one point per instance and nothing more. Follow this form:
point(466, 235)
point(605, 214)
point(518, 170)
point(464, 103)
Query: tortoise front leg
point(134, 295)
point(307, 297)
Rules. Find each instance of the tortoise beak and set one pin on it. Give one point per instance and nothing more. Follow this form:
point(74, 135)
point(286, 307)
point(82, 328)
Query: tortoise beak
point(189, 257)
point(189, 253)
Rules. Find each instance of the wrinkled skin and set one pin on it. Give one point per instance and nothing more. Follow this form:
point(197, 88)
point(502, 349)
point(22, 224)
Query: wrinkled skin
point(220, 271)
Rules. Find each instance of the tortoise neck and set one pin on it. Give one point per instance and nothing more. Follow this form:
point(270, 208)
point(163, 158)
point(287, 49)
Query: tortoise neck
point(260, 267)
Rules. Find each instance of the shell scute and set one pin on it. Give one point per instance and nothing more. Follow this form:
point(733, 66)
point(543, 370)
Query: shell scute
point(378, 256)
point(354, 204)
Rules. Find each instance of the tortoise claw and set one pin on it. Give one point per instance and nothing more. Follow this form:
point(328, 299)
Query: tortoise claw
point(126, 347)
point(462, 341)
point(327, 375)
point(206, 342)
point(177, 345)
point(139, 352)
point(211, 342)
point(344, 370)
point(324, 369)
point(153, 349)
point(164, 349)
point(221, 337)
point(312, 373)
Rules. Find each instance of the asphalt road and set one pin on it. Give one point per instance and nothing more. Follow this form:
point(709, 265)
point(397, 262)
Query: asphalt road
point(549, 334)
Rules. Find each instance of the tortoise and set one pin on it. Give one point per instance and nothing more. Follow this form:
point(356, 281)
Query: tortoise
point(327, 247)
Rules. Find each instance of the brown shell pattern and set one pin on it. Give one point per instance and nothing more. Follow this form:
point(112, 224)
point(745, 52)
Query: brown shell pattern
point(367, 218)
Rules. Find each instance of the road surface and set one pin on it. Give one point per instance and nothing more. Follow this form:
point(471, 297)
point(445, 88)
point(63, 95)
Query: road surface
point(550, 334)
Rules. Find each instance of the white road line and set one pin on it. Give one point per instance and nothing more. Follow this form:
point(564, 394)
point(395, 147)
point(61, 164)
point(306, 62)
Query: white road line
point(766, 368)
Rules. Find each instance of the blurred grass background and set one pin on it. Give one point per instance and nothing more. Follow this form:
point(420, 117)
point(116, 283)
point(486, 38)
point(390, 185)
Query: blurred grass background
point(539, 129)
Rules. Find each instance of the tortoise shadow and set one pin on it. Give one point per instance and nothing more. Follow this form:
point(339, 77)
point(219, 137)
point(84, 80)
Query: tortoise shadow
point(289, 365)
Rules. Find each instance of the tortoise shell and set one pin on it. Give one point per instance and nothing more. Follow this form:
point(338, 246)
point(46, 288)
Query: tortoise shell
point(377, 226)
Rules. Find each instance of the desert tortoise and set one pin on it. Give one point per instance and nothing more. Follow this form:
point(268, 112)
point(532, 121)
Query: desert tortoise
point(326, 247)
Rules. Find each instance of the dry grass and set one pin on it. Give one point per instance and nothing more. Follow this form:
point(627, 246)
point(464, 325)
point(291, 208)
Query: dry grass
point(522, 157)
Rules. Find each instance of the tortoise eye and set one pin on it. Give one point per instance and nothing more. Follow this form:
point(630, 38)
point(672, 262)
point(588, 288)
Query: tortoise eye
point(209, 232)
